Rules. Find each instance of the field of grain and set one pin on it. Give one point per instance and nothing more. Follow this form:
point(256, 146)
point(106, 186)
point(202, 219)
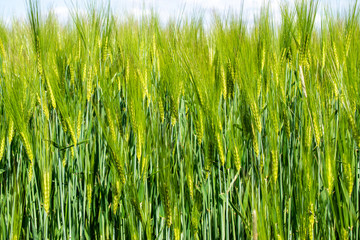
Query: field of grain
point(125, 128)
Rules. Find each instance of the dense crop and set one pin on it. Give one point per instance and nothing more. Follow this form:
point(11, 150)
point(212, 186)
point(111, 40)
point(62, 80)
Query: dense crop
point(130, 129)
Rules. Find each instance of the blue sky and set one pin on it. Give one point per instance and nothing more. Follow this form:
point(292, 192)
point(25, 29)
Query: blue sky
point(166, 8)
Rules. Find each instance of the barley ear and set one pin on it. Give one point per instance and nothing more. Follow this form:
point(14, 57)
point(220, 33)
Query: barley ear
point(274, 165)
point(47, 190)
point(2, 146)
point(71, 130)
point(11, 130)
point(236, 157)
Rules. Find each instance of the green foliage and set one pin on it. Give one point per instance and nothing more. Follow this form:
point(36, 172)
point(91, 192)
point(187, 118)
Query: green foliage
point(119, 128)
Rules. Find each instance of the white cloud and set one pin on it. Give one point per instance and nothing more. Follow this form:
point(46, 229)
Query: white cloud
point(168, 8)
point(138, 13)
point(62, 13)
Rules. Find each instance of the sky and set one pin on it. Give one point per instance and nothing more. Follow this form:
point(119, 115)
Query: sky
point(166, 9)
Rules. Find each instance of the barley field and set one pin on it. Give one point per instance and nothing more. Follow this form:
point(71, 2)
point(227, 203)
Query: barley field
point(115, 127)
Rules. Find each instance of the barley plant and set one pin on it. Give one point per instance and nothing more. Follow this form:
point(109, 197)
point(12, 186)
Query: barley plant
point(116, 127)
